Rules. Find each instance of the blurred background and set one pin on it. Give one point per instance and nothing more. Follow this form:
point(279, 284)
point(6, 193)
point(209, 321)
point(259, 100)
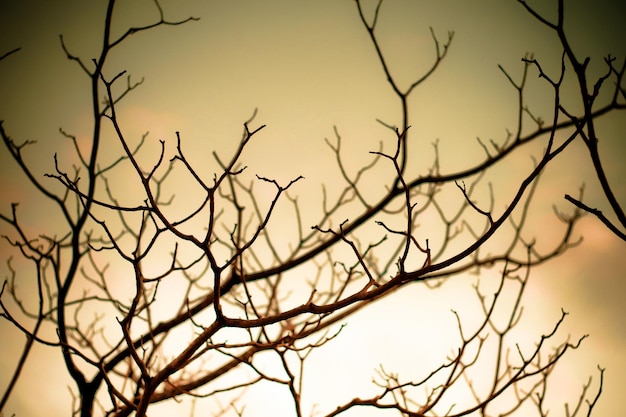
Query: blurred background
point(308, 66)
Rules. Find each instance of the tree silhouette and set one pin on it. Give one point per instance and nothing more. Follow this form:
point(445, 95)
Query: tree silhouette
point(246, 282)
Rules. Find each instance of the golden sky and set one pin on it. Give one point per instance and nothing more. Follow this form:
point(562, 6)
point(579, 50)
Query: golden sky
point(308, 66)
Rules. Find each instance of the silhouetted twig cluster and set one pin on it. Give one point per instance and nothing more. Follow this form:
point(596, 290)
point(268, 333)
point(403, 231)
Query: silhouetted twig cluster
point(105, 280)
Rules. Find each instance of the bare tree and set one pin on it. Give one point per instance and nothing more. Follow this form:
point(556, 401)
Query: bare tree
point(127, 273)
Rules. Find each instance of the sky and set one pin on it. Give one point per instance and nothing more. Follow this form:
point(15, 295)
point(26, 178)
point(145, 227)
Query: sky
point(308, 66)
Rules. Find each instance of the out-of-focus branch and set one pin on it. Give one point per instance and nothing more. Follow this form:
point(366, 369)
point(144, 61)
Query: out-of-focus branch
point(11, 52)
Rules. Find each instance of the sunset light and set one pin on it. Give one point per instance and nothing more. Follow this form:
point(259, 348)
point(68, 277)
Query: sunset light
point(312, 208)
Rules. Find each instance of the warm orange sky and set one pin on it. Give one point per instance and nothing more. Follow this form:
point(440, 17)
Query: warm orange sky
point(308, 66)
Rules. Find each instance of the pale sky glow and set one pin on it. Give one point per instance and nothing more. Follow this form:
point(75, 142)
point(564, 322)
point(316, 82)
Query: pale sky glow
point(309, 66)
